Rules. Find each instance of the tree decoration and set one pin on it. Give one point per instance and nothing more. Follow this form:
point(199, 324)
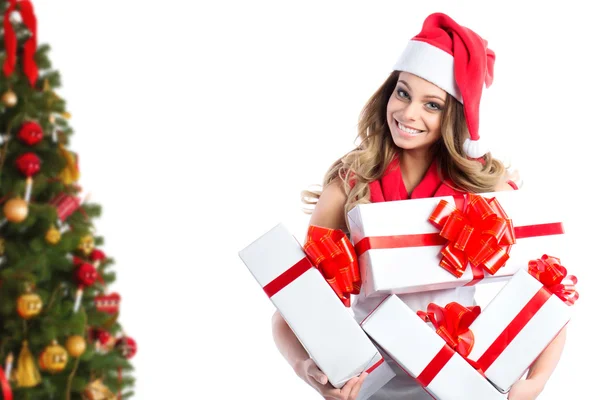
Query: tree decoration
point(29, 304)
point(16, 210)
point(31, 133)
point(28, 164)
point(54, 358)
point(27, 374)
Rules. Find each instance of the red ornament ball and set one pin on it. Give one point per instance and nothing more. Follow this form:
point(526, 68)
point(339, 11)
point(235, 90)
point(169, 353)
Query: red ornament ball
point(31, 133)
point(28, 164)
point(127, 347)
point(97, 255)
point(102, 336)
point(86, 274)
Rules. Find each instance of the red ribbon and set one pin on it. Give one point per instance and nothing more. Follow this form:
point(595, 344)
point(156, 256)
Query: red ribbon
point(481, 234)
point(452, 324)
point(372, 367)
point(435, 366)
point(332, 253)
point(287, 277)
point(25, 8)
point(5, 386)
point(551, 274)
point(513, 329)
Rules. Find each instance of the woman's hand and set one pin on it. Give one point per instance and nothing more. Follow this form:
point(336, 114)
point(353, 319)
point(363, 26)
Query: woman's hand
point(312, 375)
point(526, 389)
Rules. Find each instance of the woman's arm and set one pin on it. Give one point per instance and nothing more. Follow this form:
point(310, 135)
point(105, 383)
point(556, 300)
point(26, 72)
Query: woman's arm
point(540, 371)
point(328, 213)
point(544, 365)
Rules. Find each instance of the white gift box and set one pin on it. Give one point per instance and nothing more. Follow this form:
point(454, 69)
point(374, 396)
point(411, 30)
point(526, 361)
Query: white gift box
point(316, 315)
point(418, 349)
point(504, 356)
point(413, 266)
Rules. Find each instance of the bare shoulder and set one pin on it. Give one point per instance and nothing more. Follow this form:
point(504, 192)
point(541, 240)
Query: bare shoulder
point(329, 210)
point(503, 185)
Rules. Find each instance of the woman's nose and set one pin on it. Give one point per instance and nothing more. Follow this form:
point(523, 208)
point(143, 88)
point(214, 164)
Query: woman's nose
point(411, 112)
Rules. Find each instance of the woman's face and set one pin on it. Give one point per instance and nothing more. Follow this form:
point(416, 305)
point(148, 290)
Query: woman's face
point(414, 112)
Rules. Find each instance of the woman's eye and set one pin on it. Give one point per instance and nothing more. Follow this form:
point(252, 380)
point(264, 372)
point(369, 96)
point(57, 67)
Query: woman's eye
point(434, 106)
point(402, 94)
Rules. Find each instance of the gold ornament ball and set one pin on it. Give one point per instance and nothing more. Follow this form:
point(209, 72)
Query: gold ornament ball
point(9, 98)
point(75, 345)
point(29, 305)
point(53, 235)
point(54, 358)
point(16, 210)
point(52, 118)
point(86, 244)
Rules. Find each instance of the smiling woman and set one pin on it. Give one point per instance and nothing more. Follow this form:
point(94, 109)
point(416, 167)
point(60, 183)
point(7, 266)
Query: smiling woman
point(413, 112)
point(419, 138)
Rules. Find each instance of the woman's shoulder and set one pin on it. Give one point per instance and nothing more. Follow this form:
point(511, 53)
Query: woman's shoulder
point(329, 210)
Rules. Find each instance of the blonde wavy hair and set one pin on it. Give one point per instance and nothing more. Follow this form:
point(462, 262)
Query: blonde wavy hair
point(368, 161)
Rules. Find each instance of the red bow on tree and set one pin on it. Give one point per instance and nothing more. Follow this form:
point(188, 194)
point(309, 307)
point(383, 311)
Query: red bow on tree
point(332, 253)
point(25, 8)
point(482, 234)
point(553, 276)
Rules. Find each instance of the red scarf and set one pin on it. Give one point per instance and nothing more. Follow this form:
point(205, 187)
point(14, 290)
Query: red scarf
point(391, 186)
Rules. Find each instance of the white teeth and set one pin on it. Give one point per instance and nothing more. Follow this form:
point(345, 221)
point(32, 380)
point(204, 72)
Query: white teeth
point(408, 130)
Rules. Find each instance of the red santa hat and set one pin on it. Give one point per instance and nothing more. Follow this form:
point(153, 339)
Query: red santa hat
point(457, 60)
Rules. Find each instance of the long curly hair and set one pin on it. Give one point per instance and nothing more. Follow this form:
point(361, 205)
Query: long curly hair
point(376, 149)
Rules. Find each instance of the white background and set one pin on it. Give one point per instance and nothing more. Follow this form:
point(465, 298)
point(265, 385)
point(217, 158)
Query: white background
point(198, 123)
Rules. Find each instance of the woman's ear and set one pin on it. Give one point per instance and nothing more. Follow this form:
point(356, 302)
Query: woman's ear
point(513, 176)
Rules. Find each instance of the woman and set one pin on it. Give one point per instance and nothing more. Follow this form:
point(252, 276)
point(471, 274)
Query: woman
point(419, 138)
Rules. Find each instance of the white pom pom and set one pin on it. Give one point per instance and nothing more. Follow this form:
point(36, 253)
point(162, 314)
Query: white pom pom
point(474, 148)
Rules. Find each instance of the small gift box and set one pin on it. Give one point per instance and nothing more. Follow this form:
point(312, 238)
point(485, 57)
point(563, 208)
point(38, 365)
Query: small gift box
point(315, 312)
point(523, 318)
point(423, 354)
point(65, 205)
point(440, 243)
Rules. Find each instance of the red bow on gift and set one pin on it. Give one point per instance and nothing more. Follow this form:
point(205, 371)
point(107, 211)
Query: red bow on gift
point(332, 253)
point(481, 234)
point(452, 324)
point(553, 276)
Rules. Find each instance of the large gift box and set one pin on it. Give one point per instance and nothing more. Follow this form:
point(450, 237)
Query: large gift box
point(520, 322)
point(314, 312)
point(423, 354)
point(445, 242)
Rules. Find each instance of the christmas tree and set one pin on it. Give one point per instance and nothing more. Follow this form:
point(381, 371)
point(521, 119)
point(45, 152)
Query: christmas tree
point(60, 337)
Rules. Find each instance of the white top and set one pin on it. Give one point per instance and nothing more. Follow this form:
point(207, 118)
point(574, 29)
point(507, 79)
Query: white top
point(403, 386)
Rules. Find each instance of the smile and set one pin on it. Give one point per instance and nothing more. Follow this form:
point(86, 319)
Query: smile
point(407, 130)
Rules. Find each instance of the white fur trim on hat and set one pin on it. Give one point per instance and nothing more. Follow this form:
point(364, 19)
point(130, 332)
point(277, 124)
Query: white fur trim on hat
point(430, 63)
point(474, 148)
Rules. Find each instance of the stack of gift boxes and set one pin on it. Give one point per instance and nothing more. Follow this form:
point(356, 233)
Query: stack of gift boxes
point(454, 351)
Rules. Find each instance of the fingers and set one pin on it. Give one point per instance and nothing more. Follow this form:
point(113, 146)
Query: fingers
point(314, 372)
point(356, 388)
point(331, 393)
point(348, 392)
point(319, 381)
